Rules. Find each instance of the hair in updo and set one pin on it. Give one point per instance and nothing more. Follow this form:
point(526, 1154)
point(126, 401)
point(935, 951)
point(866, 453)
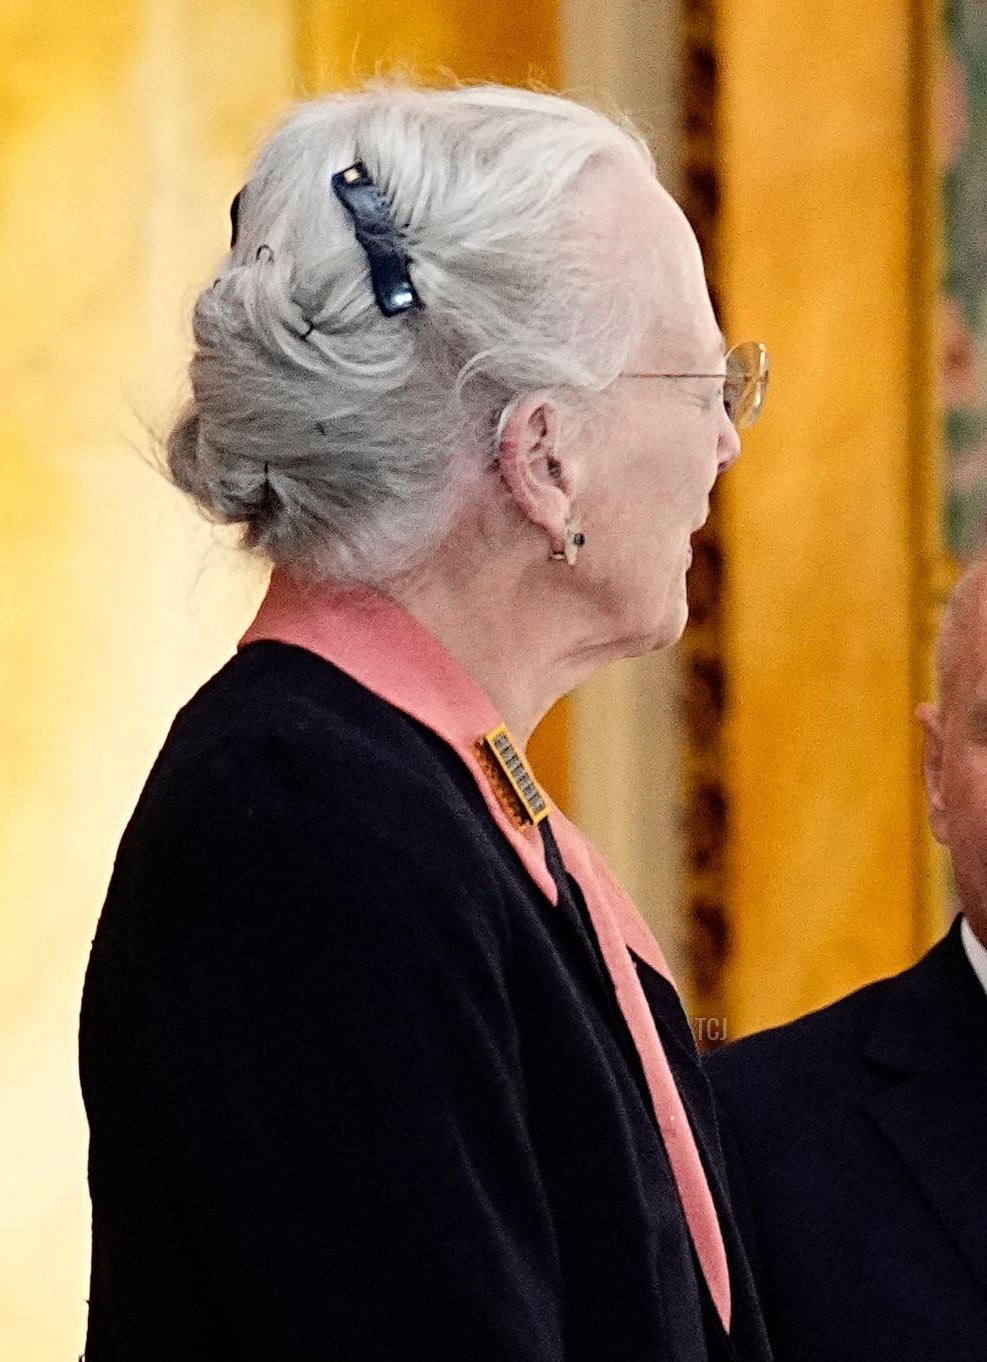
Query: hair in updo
point(346, 442)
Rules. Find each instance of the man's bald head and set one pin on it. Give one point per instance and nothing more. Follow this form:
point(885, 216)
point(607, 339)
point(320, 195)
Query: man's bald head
point(956, 743)
point(967, 604)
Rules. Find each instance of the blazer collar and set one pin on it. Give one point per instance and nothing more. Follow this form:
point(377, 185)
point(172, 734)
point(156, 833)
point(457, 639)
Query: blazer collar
point(929, 1040)
point(931, 1015)
point(379, 644)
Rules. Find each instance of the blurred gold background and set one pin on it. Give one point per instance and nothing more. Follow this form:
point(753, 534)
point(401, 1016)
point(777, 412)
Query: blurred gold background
point(126, 130)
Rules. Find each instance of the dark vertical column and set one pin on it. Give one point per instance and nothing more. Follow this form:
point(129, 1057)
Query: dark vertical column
point(704, 678)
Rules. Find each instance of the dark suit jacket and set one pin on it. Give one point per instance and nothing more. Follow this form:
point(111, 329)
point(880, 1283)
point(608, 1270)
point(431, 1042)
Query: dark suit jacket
point(356, 1091)
point(857, 1145)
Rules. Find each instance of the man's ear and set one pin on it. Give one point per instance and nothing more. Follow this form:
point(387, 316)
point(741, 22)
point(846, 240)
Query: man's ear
point(931, 720)
point(531, 467)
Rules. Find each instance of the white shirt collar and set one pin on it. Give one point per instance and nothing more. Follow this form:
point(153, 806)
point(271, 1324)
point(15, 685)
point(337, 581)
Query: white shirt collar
point(976, 953)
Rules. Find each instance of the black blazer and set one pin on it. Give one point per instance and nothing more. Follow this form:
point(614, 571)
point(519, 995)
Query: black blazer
point(356, 1091)
point(857, 1144)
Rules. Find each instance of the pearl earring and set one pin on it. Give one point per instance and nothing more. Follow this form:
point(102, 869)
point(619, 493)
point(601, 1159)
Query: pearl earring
point(573, 542)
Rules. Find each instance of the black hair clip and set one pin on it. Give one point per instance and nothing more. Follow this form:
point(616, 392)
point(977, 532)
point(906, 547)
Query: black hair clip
point(373, 222)
point(235, 219)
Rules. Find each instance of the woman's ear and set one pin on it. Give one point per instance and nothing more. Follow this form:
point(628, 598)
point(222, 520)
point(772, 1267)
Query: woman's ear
point(533, 468)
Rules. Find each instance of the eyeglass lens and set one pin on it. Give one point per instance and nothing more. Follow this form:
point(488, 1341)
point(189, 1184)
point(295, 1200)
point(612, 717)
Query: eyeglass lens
point(748, 369)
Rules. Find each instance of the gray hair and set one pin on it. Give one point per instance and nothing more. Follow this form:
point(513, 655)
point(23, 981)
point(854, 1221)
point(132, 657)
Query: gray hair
point(347, 452)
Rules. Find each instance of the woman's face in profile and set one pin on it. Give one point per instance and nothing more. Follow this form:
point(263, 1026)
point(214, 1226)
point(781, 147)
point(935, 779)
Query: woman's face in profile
point(660, 450)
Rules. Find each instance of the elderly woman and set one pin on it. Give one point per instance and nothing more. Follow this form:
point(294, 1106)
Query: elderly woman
point(379, 1060)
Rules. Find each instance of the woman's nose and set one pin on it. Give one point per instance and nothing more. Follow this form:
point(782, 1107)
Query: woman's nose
point(729, 449)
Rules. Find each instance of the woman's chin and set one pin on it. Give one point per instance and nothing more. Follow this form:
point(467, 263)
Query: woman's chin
point(664, 632)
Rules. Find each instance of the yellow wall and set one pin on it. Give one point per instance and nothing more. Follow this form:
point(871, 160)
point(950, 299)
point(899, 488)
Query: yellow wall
point(126, 130)
point(510, 40)
point(828, 252)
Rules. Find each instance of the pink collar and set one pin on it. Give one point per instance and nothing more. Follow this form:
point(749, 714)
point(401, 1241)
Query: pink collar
point(380, 645)
point(388, 651)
